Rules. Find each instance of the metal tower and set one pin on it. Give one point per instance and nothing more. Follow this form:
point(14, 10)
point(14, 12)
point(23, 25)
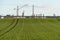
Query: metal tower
point(17, 10)
point(33, 11)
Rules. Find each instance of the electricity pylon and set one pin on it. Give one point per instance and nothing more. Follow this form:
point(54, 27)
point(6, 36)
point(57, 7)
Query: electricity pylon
point(33, 15)
point(17, 9)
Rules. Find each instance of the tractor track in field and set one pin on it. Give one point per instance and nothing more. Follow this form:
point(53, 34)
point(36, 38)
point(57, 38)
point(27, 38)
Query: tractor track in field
point(10, 28)
point(29, 38)
point(10, 24)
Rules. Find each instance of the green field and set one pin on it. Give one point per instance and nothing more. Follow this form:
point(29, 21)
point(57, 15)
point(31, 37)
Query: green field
point(30, 29)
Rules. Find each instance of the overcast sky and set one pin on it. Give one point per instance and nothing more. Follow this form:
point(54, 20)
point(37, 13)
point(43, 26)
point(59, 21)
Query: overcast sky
point(47, 7)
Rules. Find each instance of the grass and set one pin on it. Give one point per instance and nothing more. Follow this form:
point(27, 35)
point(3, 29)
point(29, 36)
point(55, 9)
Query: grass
point(30, 29)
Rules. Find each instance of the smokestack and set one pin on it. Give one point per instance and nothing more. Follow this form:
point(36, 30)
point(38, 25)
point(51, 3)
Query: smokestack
point(23, 14)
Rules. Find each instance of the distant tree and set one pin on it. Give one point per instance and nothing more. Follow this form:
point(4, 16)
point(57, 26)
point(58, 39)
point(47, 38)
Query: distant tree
point(8, 15)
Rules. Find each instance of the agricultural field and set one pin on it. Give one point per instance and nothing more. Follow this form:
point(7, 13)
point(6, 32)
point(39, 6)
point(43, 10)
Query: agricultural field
point(30, 29)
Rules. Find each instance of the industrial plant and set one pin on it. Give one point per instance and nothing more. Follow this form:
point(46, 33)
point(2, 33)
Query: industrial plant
point(33, 15)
